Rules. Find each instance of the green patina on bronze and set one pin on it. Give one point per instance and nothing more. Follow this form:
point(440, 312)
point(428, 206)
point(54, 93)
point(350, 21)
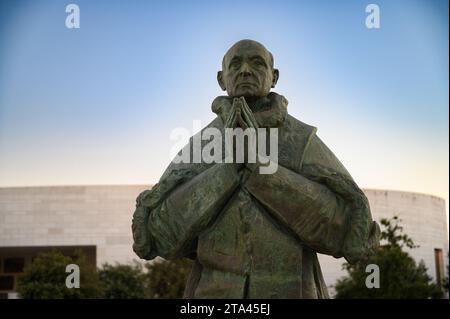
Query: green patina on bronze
point(254, 235)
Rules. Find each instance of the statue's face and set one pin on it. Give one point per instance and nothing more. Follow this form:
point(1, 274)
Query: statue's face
point(247, 71)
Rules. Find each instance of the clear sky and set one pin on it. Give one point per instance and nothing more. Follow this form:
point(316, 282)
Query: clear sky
point(96, 105)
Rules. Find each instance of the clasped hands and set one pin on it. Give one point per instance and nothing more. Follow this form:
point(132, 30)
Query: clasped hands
point(240, 115)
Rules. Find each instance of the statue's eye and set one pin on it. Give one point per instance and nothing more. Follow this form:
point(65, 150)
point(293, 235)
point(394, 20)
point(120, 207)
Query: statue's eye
point(258, 62)
point(235, 64)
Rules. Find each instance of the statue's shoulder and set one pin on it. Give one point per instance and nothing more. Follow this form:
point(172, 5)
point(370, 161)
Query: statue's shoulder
point(298, 127)
point(294, 139)
point(216, 123)
point(314, 150)
point(189, 167)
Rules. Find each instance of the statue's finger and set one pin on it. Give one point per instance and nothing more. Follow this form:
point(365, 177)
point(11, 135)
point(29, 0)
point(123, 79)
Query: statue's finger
point(249, 117)
point(231, 119)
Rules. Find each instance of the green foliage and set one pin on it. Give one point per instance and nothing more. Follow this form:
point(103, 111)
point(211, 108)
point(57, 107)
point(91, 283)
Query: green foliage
point(45, 277)
point(162, 279)
point(400, 276)
point(392, 233)
point(122, 281)
point(166, 279)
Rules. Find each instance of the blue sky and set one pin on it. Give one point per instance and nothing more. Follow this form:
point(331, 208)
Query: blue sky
point(96, 105)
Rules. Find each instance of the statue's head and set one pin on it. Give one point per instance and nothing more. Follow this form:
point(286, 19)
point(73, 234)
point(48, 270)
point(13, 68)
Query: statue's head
point(247, 70)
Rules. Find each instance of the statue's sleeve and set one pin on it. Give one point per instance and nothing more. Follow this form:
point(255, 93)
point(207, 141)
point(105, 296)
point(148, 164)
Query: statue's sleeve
point(320, 203)
point(172, 225)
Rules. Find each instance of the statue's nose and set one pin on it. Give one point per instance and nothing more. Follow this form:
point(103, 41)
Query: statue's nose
point(245, 69)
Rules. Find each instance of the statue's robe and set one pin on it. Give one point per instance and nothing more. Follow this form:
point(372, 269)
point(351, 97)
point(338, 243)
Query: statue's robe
point(257, 237)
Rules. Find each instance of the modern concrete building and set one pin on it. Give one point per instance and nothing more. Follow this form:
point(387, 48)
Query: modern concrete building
point(97, 219)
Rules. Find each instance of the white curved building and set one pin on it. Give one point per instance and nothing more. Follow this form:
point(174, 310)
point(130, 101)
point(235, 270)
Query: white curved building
point(97, 219)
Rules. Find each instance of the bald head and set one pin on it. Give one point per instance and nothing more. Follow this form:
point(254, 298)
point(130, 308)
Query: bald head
point(247, 70)
point(245, 44)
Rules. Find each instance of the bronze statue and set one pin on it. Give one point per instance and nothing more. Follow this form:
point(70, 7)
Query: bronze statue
point(256, 235)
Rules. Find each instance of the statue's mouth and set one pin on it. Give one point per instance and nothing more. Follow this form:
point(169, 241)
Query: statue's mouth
point(246, 84)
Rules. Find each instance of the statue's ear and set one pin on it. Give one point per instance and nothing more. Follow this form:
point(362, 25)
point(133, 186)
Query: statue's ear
point(276, 75)
point(220, 80)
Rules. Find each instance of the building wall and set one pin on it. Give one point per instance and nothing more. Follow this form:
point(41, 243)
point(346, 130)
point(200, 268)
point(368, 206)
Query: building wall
point(70, 216)
point(423, 218)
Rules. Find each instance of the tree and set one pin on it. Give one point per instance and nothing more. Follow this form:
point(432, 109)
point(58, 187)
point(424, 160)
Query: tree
point(122, 281)
point(166, 279)
point(162, 279)
point(400, 276)
point(45, 277)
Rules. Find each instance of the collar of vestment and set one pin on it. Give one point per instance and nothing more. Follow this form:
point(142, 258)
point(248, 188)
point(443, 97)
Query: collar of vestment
point(269, 111)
